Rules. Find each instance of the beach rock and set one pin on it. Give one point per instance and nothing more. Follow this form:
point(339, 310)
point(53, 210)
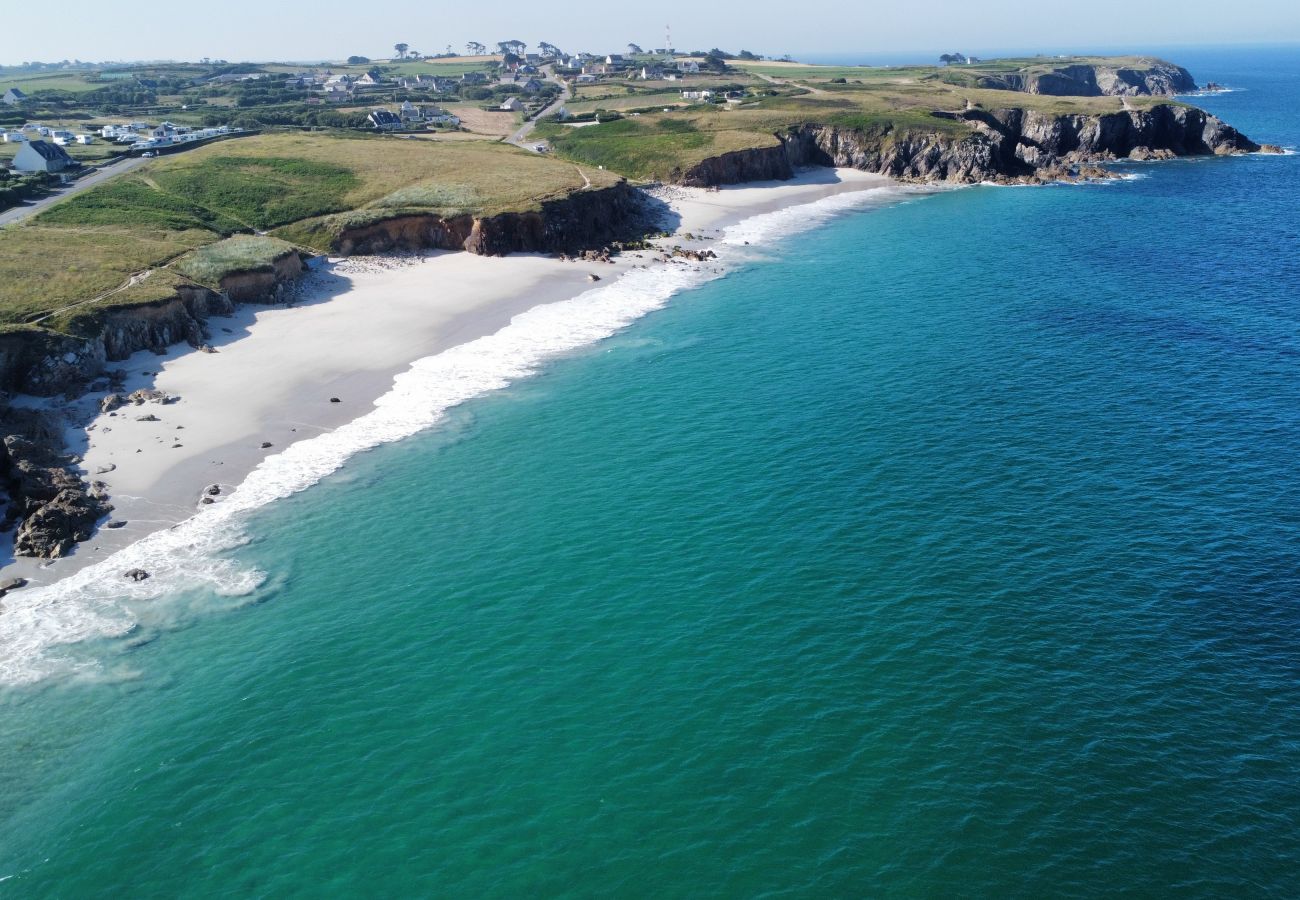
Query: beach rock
point(149, 395)
point(266, 445)
point(135, 574)
point(104, 470)
point(593, 277)
point(11, 584)
point(207, 348)
point(116, 523)
point(207, 501)
point(1271, 148)
point(335, 400)
point(110, 402)
point(213, 490)
point(149, 418)
point(56, 527)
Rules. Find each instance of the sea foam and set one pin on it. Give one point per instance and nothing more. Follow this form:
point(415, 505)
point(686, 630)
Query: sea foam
point(56, 630)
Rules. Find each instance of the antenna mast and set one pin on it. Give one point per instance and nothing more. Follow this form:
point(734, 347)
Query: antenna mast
point(668, 38)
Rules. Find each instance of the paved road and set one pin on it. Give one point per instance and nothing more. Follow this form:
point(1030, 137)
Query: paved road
point(18, 213)
point(520, 137)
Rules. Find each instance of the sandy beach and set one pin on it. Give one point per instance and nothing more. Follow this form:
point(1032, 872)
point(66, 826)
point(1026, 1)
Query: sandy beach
point(292, 371)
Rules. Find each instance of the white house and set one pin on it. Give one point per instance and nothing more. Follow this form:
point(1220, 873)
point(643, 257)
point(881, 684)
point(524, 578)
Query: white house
point(512, 104)
point(688, 67)
point(586, 79)
point(697, 95)
point(13, 97)
point(42, 156)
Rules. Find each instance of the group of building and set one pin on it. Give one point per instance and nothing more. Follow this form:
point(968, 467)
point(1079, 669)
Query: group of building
point(143, 136)
point(592, 69)
point(33, 132)
point(409, 116)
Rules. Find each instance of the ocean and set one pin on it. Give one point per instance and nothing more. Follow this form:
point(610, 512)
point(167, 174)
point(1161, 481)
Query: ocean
point(946, 545)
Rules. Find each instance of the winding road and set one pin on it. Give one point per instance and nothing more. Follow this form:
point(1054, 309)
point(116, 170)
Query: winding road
point(520, 137)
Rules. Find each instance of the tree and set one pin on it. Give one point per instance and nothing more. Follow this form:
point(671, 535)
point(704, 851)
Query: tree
point(515, 47)
point(952, 59)
point(745, 54)
point(714, 61)
point(474, 48)
point(358, 60)
point(634, 50)
point(550, 50)
point(401, 49)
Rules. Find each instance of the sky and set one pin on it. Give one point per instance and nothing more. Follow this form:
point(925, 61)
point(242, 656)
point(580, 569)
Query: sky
point(331, 29)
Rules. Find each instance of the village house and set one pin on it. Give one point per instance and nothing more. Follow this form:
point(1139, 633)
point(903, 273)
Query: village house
point(42, 156)
point(688, 67)
point(512, 104)
point(368, 80)
point(598, 69)
point(473, 78)
point(384, 120)
point(531, 86)
point(586, 79)
point(697, 95)
point(651, 73)
point(614, 60)
point(13, 97)
point(443, 118)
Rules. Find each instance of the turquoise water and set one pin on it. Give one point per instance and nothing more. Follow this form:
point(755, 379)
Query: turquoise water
point(947, 549)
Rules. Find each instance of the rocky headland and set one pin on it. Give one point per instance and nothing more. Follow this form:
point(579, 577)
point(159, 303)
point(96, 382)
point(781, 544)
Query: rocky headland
point(1005, 146)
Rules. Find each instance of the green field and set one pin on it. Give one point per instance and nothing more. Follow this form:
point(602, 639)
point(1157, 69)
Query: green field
point(307, 187)
point(30, 83)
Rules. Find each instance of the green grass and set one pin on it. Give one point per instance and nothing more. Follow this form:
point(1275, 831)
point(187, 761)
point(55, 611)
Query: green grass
point(31, 83)
point(241, 253)
point(131, 201)
point(44, 267)
point(310, 185)
point(260, 192)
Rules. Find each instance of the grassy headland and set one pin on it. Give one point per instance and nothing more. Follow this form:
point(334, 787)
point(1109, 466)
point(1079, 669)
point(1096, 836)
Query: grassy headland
point(303, 186)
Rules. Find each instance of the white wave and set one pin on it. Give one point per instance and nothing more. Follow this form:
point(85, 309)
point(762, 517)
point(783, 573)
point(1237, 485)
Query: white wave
point(41, 629)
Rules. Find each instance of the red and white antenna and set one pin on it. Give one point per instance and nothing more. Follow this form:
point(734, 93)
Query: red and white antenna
point(668, 38)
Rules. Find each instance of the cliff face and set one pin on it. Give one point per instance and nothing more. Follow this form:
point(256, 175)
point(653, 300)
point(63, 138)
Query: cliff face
point(581, 221)
point(263, 285)
point(1008, 145)
point(1156, 78)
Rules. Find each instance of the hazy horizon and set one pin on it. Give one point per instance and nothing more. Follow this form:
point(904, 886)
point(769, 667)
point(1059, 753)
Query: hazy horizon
point(248, 31)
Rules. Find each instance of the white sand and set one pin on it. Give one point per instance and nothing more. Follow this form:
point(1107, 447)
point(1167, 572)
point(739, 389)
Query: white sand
point(359, 323)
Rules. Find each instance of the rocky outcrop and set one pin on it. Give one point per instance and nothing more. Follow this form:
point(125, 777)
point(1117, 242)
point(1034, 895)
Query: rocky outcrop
point(571, 224)
point(264, 285)
point(758, 164)
point(1152, 77)
point(1007, 145)
point(53, 507)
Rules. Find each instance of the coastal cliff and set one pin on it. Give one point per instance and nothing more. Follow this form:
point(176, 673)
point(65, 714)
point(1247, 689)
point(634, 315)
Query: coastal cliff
point(1005, 145)
point(580, 221)
point(48, 503)
point(1150, 77)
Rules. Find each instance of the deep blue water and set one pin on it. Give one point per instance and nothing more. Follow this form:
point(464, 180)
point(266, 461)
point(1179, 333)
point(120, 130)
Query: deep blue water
point(949, 550)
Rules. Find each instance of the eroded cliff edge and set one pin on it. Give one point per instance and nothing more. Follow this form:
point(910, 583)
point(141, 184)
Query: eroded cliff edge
point(1003, 146)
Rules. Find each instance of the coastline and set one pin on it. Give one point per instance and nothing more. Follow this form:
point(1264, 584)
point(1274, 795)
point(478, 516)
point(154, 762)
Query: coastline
point(356, 325)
